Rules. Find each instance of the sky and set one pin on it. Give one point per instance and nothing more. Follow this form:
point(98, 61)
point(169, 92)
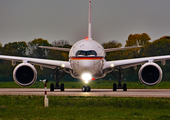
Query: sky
point(25, 20)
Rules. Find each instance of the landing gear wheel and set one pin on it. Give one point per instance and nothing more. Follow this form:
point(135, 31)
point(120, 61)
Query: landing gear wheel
point(84, 89)
point(52, 87)
point(114, 87)
point(124, 87)
point(62, 87)
point(88, 88)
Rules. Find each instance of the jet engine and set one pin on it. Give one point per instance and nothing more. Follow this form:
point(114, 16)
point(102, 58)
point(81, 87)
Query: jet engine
point(150, 74)
point(25, 74)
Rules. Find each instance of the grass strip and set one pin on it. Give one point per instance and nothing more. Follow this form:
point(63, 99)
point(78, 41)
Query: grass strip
point(83, 108)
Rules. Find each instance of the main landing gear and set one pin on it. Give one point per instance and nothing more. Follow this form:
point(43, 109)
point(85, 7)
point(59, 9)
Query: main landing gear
point(61, 87)
point(86, 89)
point(119, 77)
point(57, 86)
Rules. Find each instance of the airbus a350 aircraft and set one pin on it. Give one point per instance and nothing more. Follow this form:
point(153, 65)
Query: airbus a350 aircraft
point(87, 62)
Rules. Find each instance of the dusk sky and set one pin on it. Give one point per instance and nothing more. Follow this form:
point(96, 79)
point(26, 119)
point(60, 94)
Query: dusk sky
point(24, 20)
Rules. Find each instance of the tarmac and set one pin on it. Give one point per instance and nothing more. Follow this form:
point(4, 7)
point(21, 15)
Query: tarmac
point(94, 92)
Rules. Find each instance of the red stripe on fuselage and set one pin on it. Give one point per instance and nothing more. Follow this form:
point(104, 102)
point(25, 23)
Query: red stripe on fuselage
point(86, 58)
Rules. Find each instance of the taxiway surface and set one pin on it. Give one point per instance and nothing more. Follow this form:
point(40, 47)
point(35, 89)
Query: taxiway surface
point(94, 92)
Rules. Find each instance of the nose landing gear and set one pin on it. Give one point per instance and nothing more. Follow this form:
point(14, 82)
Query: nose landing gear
point(86, 89)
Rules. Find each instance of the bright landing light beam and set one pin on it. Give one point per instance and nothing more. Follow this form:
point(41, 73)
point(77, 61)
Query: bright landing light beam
point(86, 77)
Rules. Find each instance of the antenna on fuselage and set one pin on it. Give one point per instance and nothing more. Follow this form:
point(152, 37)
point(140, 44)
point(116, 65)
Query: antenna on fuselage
point(89, 28)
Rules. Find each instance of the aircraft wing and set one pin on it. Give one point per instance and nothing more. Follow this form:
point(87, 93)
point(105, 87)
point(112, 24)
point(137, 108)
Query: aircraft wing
point(134, 62)
point(124, 48)
point(35, 61)
point(55, 48)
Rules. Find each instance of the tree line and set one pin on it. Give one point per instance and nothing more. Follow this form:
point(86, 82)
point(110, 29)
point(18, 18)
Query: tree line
point(158, 47)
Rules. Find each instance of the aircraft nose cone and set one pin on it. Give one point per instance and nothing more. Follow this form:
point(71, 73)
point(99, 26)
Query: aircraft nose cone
point(86, 64)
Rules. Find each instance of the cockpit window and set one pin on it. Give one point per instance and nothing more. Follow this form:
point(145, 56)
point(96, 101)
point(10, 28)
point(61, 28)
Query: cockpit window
point(86, 53)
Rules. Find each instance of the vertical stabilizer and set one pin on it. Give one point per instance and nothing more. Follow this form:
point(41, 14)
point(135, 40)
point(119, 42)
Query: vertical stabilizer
point(89, 27)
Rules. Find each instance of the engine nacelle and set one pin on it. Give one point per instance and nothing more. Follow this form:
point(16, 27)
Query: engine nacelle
point(25, 74)
point(150, 74)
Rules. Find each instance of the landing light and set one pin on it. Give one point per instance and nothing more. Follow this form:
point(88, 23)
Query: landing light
point(112, 65)
point(86, 81)
point(86, 77)
point(62, 65)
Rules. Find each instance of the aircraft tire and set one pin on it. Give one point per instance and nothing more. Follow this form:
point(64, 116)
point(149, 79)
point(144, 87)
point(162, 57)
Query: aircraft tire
point(52, 87)
point(88, 89)
point(62, 87)
point(124, 87)
point(84, 89)
point(114, 87)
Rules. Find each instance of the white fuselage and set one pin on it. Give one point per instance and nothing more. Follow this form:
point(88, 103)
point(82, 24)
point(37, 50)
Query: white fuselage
point(87, 56)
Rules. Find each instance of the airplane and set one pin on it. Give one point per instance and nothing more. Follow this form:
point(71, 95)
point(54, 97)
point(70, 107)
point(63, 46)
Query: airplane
point(87, 62)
